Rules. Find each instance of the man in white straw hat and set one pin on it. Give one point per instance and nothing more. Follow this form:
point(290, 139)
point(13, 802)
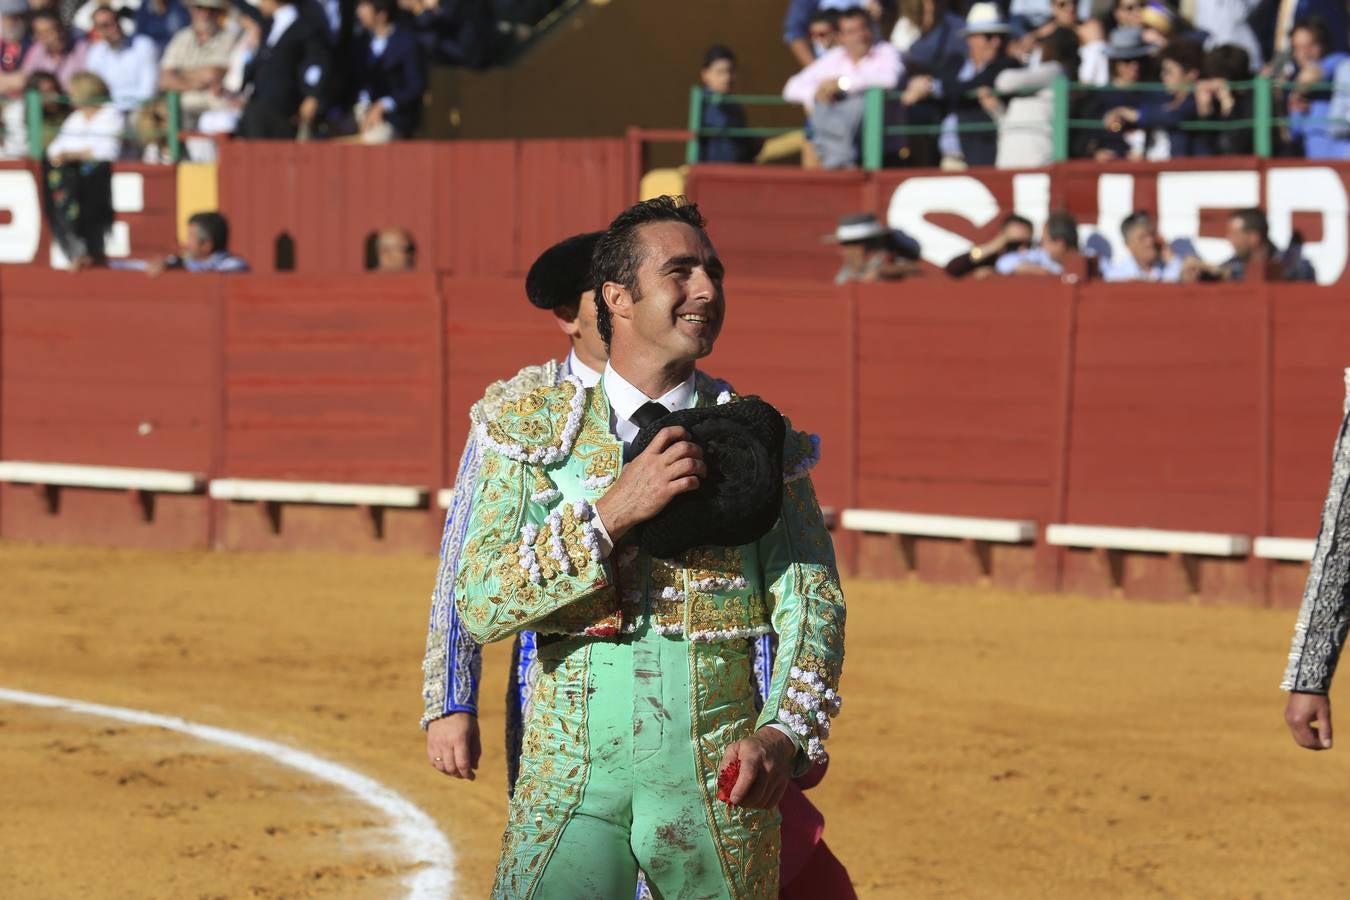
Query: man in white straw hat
point(870, 251)
point(986, 35)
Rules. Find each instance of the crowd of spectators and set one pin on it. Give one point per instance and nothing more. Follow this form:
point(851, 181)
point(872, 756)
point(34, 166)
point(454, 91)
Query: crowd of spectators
point(276, 69)
point(869, 251)
point(975, 84)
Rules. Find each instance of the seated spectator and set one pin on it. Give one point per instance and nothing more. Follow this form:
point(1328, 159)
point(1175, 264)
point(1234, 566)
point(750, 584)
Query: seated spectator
point(1025, 124)
point(1308, 107)
point(831, 88)
point(1131, 64)
point(454, 32)
point(13, 34)
point(207, 248)
point(797, 27)
point(390, 75)
point(1059, 241)
point(872, 252)
point(15, 117)
point(986, 37)
point(1216, 101)
point(1179, 69)
point(195, 62)
point(394, 251)
point(93, 131)
point(160, 20)
point(1014, 235)
point(1126, 14)
point(823, 31)
point(1255, 257)
point(928, 36)
point(1146, 258)
point(718, 77)
point(286, 75)
point(52, 50)
point(129, 66)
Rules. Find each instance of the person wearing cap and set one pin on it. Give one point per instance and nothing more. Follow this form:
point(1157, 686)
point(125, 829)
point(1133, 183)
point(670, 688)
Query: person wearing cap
point(1179, 68)
point(1130, 62)
point(558, 282)
point(195, 61)
point(645, 745)
point(869, 251)
point(831, 88)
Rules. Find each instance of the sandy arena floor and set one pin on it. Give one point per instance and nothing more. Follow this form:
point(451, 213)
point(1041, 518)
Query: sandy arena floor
point(992, 744)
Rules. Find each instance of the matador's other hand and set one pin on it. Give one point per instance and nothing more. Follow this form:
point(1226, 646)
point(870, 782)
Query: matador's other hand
point(453, 746)
point(669, 466)
point(766, 765)
point(1309, 719)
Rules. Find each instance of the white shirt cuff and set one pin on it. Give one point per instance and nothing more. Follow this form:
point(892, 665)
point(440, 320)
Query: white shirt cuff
point(783, 728)
point(601, 532)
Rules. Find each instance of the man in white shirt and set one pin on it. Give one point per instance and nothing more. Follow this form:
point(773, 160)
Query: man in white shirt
point(831, 89)
point(1059, 239)
point(129, 66)
point(1146, 258)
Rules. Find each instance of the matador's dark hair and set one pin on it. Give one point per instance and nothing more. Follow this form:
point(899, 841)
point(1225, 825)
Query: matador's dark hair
point(618, 253)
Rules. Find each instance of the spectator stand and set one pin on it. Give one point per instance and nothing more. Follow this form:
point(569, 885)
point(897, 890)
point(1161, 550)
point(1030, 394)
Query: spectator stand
point(876, 132)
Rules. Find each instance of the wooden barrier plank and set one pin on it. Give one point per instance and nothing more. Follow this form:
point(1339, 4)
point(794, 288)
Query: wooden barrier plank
point(330, 379)
point(1167, 391)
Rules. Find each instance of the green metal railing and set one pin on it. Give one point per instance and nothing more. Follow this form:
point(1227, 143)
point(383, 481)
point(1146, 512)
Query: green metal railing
point(37, 126)
point(1262, 121)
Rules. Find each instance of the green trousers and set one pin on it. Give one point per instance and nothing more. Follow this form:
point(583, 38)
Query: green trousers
point(619, 771)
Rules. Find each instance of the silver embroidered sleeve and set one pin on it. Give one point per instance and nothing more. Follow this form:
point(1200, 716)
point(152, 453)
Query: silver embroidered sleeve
point(453, 661)
point(1323, 618)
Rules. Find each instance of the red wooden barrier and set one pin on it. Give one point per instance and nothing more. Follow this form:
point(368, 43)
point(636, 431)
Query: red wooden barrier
point(1208, 408)
point(474, 208)
point(107, 369)
point(331, 380)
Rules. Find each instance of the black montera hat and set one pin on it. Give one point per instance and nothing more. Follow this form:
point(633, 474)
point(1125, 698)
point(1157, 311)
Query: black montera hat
point(740, 499)
point(562, 273)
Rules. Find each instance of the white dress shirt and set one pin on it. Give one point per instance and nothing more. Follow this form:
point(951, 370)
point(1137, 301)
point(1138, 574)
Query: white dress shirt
point(624, 400)
point(282, 19)
point(131, 71)
point(589, 377)
point(100, 134)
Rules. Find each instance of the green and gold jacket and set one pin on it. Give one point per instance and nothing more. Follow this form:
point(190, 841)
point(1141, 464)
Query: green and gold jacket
point(532, 556)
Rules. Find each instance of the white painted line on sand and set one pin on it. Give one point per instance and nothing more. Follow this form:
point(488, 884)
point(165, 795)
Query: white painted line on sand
point(417, 834)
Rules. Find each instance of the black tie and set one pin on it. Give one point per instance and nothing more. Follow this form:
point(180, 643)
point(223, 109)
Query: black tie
point(647, 413)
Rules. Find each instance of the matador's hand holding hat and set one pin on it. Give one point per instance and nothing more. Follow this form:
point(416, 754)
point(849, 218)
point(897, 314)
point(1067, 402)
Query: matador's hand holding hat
point(739, 500)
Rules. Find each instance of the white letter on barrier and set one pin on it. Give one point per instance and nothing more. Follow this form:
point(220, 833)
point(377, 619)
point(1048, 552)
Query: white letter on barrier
point(960, 195)
point(1181, 196)
point(19, 238)
point(1316, 189)
point(1115, 201)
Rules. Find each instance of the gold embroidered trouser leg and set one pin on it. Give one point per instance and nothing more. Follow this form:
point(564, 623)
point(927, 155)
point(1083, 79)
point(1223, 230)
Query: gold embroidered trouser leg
point(618, 772)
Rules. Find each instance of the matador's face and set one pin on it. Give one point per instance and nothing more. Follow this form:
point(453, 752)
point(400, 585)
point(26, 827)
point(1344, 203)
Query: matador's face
point(677, 310)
